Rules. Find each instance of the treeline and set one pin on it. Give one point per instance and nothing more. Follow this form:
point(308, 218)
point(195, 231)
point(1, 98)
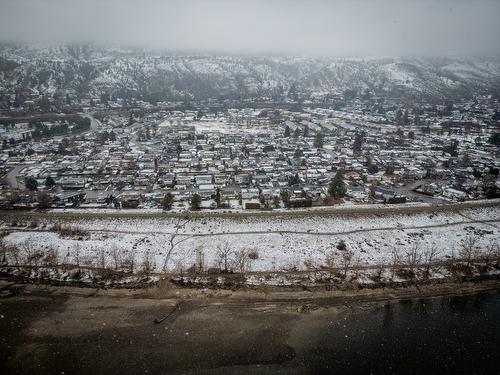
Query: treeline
point(42, 130)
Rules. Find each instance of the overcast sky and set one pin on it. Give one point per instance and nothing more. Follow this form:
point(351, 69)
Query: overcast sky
point(319, 27)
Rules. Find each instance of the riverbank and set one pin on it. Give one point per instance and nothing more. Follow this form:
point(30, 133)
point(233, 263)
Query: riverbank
point(278, 242)
point(50, 329)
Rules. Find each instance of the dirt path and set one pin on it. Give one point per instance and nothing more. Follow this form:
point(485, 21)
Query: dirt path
point(309, 233)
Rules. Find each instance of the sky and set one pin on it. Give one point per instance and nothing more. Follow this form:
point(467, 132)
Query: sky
point(301, 27)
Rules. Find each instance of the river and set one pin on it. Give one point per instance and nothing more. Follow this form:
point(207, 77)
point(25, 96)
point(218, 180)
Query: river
point(445, 335)
point(100, 333)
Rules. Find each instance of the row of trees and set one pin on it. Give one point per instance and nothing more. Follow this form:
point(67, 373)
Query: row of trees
point(32, 184)
point(41, 130)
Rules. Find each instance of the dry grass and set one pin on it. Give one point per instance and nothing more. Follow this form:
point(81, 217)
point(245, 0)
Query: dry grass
point(70, 231)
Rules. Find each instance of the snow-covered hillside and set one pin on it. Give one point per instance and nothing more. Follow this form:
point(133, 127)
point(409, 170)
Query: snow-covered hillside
point(159, 76)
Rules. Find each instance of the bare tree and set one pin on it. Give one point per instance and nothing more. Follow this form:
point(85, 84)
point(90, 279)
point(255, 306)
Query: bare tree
point(129, 262)
point(430, 254)
point(200, 259)
point(77, 255)
point(357, 266)
point(52, 257)
point(102, 258)
point(347, 256)
point(395, 262)
point(241, 259)
point(469, 249)
point(147, 263)
point(491, 253)
point(413, 258)
point(172, 243)
point(223, 255)
point(28, 252)
point(330, 259)
point(115, 255)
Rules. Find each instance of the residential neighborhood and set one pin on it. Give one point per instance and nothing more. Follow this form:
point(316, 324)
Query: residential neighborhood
point(252, 158)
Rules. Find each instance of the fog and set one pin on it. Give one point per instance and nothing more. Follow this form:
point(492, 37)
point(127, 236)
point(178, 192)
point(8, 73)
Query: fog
point(317, 27)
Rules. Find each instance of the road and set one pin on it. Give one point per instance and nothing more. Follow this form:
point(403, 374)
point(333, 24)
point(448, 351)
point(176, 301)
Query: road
point(11, 177)
point(94, 123)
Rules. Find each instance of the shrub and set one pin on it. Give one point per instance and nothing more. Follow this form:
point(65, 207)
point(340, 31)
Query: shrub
point(70, 231)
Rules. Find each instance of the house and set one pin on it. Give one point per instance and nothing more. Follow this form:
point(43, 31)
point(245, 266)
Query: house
point(69, 198)
point(242, 179)
point(454, 194)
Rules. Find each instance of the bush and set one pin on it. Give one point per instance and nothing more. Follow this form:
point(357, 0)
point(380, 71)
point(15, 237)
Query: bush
point(253, 255)
point(70, 231)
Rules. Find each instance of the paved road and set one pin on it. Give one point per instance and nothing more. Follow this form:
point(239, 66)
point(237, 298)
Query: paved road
point(11, 177)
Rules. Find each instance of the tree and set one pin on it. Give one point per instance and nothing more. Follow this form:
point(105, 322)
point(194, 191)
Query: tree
point(49, 182)
point(318, 140)
point(287, 131)
point(31, 184)
point(276, 201)
point(406, 120)
point(411, 134)
point(469, 249)
point(285, 197)
point(167, 202)
point(295, 180)
point(495, 139)
point(296, 132)
point(429, 255)
point(298, 153)
point(217, 197)
point(223, 255)
point(399, 117)
point(358, 143)
point(337, 187)
point(373, 168)
point(195, 201)
point(306, 131)
point(44, 200)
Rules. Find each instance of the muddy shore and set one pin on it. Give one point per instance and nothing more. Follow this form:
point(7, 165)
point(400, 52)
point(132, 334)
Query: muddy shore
point(47, 329)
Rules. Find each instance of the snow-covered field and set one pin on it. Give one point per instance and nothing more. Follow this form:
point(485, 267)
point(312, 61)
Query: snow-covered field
point(282, 241)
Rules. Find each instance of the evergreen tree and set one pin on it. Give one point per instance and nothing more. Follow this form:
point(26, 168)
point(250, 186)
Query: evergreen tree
point(167, 202)
point(337, 187)
point(295, 180)
point(399, 117)
point(318, 140)
point(49, 182)
point(287, 131)
point(31, 184)
point(358, 143)
point(285, 197)
point(406, 120)
point(298, 153)
point(195, 201)
point(217, 197)
point(296, 132)
point(306, 131)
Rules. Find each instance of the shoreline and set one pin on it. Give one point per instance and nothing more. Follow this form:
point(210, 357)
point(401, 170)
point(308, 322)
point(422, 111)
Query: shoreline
point(168, 291)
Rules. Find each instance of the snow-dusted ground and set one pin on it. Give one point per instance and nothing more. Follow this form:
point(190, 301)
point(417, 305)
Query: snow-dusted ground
point(282, 242)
